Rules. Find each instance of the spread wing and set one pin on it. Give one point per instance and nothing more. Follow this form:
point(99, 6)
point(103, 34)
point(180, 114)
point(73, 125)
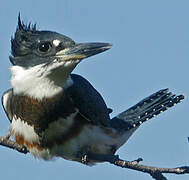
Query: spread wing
point(6, 102)
point(89, 102)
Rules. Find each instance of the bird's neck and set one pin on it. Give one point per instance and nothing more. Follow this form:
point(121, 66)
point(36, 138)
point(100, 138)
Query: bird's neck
point(37, 84)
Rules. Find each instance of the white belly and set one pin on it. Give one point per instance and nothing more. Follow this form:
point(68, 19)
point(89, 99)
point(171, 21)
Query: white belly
point(92, 138)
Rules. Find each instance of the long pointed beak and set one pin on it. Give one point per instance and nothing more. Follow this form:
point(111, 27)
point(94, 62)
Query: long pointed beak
point(83, 50)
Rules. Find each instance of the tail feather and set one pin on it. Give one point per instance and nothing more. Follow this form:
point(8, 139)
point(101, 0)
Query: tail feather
point(146, 109)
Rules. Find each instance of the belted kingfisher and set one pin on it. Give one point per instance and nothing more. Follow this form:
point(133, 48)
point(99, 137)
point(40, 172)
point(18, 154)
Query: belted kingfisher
point(54, 113)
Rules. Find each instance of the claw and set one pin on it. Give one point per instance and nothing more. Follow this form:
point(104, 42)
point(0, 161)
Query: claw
point(137, 160)
point(84, 159)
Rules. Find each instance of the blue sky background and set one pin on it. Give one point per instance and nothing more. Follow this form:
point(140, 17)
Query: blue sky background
point(150, 51)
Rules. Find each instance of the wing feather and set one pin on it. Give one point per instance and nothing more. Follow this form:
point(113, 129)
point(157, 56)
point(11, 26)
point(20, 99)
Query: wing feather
point(6, 102)
point(89, 102)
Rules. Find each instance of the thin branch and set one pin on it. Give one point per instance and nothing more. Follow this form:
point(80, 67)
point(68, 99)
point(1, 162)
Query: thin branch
point(155, 172)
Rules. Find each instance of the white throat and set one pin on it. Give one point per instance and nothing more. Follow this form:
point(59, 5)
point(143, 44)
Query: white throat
point(35, 82)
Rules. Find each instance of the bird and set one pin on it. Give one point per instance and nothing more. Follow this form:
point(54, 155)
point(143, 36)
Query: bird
point(55, 113)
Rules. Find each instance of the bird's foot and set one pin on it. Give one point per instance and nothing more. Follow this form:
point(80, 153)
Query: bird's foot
point(7, 136)
point(84, 159)
point(137, 161)
point(83, 155)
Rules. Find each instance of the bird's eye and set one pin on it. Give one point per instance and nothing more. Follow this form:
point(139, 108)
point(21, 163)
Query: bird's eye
point(44, 47)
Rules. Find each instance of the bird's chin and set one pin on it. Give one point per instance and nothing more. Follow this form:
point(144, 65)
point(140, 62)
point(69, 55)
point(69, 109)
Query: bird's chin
point(64, 68)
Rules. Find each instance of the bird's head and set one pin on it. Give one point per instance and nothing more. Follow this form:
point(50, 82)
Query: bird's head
point(55, 54)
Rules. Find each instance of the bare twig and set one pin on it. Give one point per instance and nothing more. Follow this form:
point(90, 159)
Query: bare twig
point(155, 172)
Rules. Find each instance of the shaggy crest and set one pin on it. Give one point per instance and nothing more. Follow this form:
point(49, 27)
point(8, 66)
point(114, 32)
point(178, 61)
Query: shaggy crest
point(21, 42)
point(24, 27)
